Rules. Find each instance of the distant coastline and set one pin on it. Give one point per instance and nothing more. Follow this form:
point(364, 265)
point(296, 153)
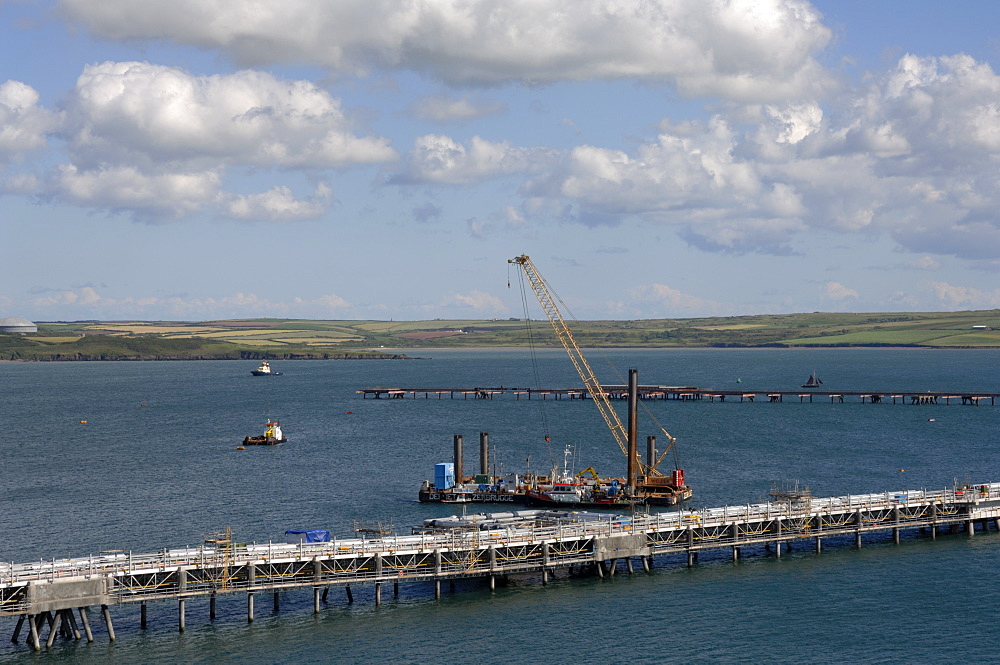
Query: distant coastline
point(300, 339)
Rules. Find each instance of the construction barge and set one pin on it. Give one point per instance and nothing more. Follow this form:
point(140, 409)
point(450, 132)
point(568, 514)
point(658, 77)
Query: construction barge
point(643, 483)
point(558, 489)
point(50, 593)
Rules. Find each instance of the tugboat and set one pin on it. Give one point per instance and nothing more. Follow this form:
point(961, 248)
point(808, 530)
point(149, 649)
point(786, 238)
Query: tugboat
point(264, 370)
point(272, 436)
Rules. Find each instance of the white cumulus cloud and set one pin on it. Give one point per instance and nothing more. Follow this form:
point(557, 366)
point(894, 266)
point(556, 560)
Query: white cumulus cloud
point(741, 49)
point(150, 115)
point(24, 125)
point(442, 160)
point(446, 109)
point(957, 297)
point(837, 292)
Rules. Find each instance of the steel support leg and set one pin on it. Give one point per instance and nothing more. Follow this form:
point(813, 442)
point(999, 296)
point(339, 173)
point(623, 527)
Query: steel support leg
point(107, 622)
point(53, 629)
point(85, 620)
point(72, 624)
point(17, 629)
point(33, 633)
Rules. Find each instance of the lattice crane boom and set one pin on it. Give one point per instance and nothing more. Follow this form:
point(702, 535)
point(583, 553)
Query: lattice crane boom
point(600, 397)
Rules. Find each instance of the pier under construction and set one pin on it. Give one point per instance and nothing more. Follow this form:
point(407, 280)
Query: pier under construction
point(46, 596)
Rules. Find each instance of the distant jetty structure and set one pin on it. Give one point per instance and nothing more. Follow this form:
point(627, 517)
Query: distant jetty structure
point(690, 393)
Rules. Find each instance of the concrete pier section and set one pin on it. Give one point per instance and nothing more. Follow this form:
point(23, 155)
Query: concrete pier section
point(44, 594)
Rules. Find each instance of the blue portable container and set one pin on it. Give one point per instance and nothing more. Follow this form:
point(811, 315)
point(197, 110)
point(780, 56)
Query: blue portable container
point(444, 475)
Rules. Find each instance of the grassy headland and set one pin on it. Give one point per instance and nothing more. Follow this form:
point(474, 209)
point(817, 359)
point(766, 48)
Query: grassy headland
point(306, 339)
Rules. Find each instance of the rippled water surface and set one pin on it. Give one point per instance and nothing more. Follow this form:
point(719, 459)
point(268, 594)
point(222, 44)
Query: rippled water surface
point(155, 465)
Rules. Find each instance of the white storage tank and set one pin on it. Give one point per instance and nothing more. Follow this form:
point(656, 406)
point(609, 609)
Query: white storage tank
point(12, 324)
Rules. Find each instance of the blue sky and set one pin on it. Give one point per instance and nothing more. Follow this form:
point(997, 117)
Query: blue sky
point(370, 159)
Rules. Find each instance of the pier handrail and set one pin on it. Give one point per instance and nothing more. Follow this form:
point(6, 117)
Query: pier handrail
point(118, 564)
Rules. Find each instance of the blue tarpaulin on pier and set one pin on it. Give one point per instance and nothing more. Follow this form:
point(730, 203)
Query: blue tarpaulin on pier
point(307, 536)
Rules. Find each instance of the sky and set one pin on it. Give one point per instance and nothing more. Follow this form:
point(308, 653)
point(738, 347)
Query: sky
point(377, 159)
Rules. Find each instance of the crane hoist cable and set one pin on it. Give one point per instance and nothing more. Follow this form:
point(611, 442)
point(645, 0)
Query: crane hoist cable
point(534, 360)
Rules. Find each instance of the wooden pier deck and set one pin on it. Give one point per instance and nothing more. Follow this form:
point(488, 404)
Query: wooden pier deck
point(47, 594)
point(689, 393)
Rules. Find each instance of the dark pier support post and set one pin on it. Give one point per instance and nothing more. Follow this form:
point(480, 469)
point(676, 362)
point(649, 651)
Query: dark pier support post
point(646, 563)
point(249, 606)
point(735, 529)
point(17, 629)
point(628, 565)
point(316, 594)
point(350, 596)
point(690, 546)
point(211, 606)
point(378, 594)
point(142, 614)
point(326, 590)
point(86, 624)
point(72, 624)
point(600, 569)
point(277, 600)
point(895, 528)
point(545, 563)
point(107, 622)
point(858, 520)
point(933, 521)
point(395, 588)
point(180, 615)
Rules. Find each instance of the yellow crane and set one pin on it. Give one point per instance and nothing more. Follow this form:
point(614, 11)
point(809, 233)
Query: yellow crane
point(547, 300)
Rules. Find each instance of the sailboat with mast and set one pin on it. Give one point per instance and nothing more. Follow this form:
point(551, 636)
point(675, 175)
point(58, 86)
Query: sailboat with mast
point(813, 381)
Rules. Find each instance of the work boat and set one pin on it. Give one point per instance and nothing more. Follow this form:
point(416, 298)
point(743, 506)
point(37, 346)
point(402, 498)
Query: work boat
point(569, 491)
point(264, 370)
point(271, 437)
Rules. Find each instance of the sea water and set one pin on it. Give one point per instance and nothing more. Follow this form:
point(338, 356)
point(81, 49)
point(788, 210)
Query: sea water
point(143, 455)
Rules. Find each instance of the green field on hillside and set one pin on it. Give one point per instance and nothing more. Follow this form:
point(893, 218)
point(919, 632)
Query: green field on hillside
point(296, 338)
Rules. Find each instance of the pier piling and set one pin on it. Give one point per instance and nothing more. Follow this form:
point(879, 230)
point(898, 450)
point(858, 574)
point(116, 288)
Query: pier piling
point(84, 619)
point(107, 622)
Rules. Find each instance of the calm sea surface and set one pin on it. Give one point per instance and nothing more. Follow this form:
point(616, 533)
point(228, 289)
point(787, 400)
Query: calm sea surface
point(155, 465)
